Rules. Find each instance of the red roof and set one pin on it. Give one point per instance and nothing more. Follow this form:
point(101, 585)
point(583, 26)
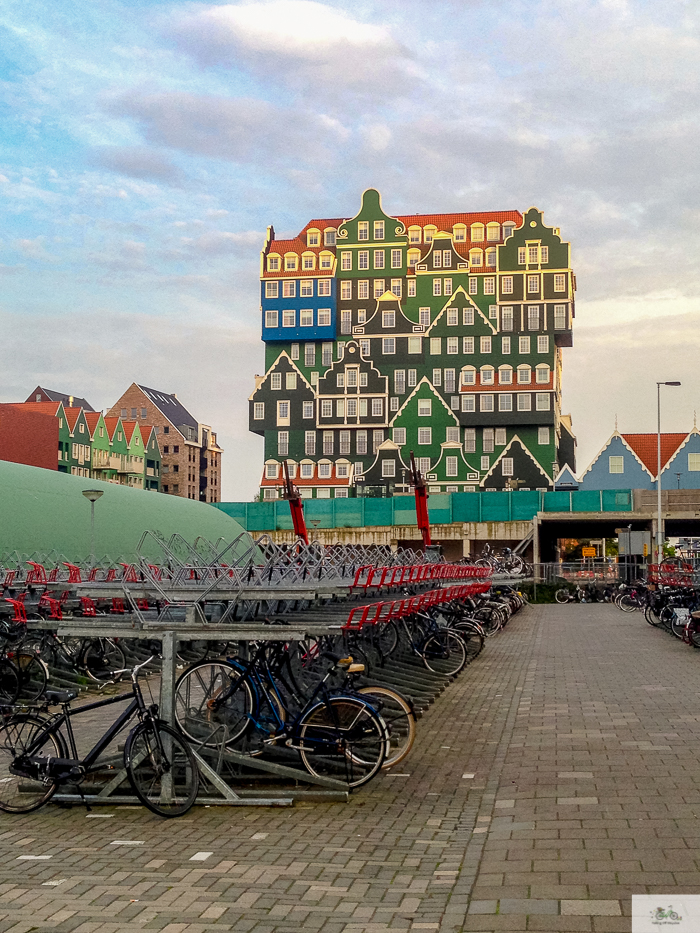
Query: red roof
point(92, 418)
point(645, 447)
point(129, 427)
point(111, 425)
point(72, 415)
point(48, 408)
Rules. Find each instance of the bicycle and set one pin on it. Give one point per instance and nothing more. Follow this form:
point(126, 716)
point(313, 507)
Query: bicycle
point(36, 757)
point(219, 703)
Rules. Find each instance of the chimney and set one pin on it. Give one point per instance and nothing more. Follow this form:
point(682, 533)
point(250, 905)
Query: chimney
point(70, 401)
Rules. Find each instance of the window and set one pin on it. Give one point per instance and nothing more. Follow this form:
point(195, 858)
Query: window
point(326, 408)
point(452, 317)
point(324, 288)
point(459, 233)
point(344, 443)
point(327, 444)
point(312, 238)
point(446, 258)
point(378, 229)
point(388, 319)
point(364, 349)
point(448, 286)
point(340, 380)
point(291, 379)
point(306, 318)
point(377, 439)
point(388, 345)
point(358, 468)
point(485, 344)
point(533, 284)
point(437, 286)
point(282, 413)
point(507, 318)
point(411, 288)
point(435, 346)
point(289, 289)
point(396, 259)
point(542, 374)
point(616, 464)
point(485, 462)
point(543, 435)
point(451, 466)
point(345, 290)
point(326, 353)
point(428, 233)
point(437, 376)
point(351, 376)
point(505, 375)
point(271, 319)
point(449, 380)
point(425, 407)
point(270, 471)
point(507, 466)
point(559, 317)
point(363, 259)
point(693, 463)
point(379, 259)
point(309, 354)
point(467, 316)
point(524, 402)
point(415, 345)
point(489, 285)
point(289, 318)
point(468, 403)
point(424, 316)
point(307, 409)
point(533, 253)
point(412, 375)
point(273, 263)
point(352, 407)
point(493, 312)
point(469, 440)
point(533, 317)
point(437, 259)
point(544, 254)
point(524, 375)
point(361, 443)
point(259, 411)
point(523, 344)
point(507, 284)
point(282, 443)
point(473, 285)
point(363, 380)
point(346, 322)
point(377, 407)
point(363, 230)
point(342, 471)
point(379, 288)
point(423, 465)
point(388, 467)
point(400, 381)
point(468, 376)
point(268, 493)
point(329, 237)
point(414, 234)
point(271, 289)
point(346, 261)
point(487, 441)
point(425, 436)
point(396, 287)
point(500, 435)
point(486, 403)
point(505, 402)
point(508, 229)
point(559, 283)
point(477, 232)
point(398, 435)
point(487, 375)
point(476, 257)
point(324, 469)
point(276, 381)
point(340, 409)
point(543, 343)
point(307, 470)
point(452, 345)
point(542, 401)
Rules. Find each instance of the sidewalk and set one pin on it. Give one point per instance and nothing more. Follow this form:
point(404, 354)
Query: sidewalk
point(558, 776)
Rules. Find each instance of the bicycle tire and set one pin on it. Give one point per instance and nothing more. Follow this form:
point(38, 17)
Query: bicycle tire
point(444, 653)
point(343, 738)
point(31, 674)
point(472, 638)
point(161, 769)
point(199, 719)
point(629, 602)
point(387, 639)
point(104, 660)
point(562, 596)
point(400, 719)
point(23, 793)
point(9, 681)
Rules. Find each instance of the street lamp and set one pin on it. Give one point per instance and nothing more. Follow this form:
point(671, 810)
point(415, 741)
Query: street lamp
point(659, 534)
point(93, 495)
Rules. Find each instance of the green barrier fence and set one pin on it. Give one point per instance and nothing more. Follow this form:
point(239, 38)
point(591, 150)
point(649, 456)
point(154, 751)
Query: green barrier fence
point(444, 509)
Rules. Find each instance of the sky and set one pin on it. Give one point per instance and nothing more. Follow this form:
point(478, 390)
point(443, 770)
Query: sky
point(146, 146)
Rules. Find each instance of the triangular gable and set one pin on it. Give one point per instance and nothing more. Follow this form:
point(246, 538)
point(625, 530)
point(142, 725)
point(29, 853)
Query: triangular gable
point(72, 417)
point(92, 419)
point(271, 369)
point(615, 434)
point(504, 453)
point(565, 477)
point(434, 392)
point(111, 425)
point(448, 449)
point(477, 311)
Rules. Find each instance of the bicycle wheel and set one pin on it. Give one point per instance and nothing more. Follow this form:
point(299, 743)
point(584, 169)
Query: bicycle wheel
point(343, 738)
point(563, 595)
point(387, 639)
point(22, 788)
point(31, 675)
point(161, 768)
point(400, 721)
point(104, 660)
point(473, 640)
point(9, 681)
point(444, 653)
point(198, 713)
point(629, 602)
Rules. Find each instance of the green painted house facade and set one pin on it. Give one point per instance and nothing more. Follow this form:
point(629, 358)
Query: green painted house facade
point(449, 339)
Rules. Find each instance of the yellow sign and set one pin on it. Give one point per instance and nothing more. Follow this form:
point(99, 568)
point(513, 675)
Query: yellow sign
point(645, 550)
point(588, 552)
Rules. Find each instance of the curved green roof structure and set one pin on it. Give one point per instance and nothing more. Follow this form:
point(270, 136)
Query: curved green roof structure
point(43, 511)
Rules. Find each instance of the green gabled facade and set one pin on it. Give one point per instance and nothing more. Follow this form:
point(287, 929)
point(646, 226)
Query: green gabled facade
point(464, 315)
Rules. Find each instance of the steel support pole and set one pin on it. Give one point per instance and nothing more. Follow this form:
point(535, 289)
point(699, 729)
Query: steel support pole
point(167, 677)
point(659, 533)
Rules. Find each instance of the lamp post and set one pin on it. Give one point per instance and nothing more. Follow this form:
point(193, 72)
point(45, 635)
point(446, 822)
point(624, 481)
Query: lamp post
point(93, 495)
point(659, 533)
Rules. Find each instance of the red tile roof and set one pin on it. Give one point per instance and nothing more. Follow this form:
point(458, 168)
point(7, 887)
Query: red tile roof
point(92, 418)
point(48, 408)
point(129, 427)
point(645, 447)
point(72, 415)
point(111, 425)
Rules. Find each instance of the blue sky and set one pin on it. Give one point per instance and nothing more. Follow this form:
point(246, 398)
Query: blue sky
point(147, 145)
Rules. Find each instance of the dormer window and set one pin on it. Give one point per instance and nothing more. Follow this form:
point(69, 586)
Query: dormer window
point(308, 261)
point(429, 233)
point(290, 263)
point(273, 263)
point(325, 261)
point(493, 232)
point(313, 238)
point(414, 234)
point(477, 233)
point(329, 236)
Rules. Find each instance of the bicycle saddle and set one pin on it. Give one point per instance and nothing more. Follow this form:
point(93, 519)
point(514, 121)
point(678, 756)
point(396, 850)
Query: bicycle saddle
point(54, 697)
point(337, 659)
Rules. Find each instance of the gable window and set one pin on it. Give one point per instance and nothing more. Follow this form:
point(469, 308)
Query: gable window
point(324, 469)
point(473, 285)
point(693, 463)
point(468, 376)
point(414, 234)
point(271, 319)
point(507, 466)
point(291, 381)
point(351, 376)
point(486, 374)
point(467, 316)
point(435, 346)
point(346, 261)
point(425, 407)
point(446, 258)
point(290, 263)
point(271, 470)
point(259, 411)
point(388, 467)
point(326, 261)
point(477, 232)
point(388, 319)
point(289, 289)
point(485, 344)
point(425, 436)
point(616, 464)
point(429, 233)
point(453, 345)
point(508, 229)
point(459, 233)
point(493, 231)
point(533, 254)
point(363, 230)
point(388, 345)
point(452, 317)
point(276, 381)
point(542, 374)
point(312, 238)
point(308, 261)
point(271, 289)
point(451, 466)
point(398, 436)
point(505, 375)
point(491, 258)
point(378, 229)
point(476, 257)
point(283, 413)
point(524, 375)
point(437, 259)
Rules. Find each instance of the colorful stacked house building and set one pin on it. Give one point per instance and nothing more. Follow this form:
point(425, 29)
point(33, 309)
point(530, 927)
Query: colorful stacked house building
point(438, 334)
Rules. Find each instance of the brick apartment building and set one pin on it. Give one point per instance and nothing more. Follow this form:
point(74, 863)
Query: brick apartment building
point(191, 457)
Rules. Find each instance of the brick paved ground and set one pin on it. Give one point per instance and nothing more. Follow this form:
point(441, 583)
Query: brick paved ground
point(556, 778)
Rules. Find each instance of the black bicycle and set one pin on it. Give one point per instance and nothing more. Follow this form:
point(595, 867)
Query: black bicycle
point(36, 757)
